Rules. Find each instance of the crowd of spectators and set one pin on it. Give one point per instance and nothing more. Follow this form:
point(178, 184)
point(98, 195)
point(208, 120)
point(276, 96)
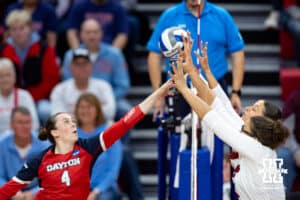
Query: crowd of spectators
point(55, 56)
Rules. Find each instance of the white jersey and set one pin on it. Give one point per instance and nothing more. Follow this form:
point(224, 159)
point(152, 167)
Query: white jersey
point(65, 95)
point(253, 158)
point(207, 137)
point(8, 103)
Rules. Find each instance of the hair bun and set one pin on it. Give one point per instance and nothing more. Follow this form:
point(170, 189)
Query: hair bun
point(280, 132)
point(43, 134)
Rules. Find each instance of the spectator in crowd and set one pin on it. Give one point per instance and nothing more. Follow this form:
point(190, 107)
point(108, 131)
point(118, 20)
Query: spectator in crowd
point(290, 152)
point(105, 172)
point(108, 63)
point(223, 39)
point(112, 17)
point(34, 60)
point(290, 20)
point(62, 10)
point(272, 21)
point(64, 95)
point(16, 147)
point(3, 6)
point(11, 97)
point(44, 20)
point(139, 32)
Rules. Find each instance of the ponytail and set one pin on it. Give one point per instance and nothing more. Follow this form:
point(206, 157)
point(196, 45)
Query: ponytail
point(271, 133)
point(45, 132)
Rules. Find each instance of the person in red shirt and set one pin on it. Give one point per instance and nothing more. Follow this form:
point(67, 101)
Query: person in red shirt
point(35, 61)
point(63, 169)
point(37, 71)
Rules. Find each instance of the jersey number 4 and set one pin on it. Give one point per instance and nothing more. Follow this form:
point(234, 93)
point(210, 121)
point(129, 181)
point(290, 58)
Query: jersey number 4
point(65, 178)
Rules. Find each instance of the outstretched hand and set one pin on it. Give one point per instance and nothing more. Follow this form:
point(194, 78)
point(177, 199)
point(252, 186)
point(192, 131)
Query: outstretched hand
point(178, 76)
point(185, 53)
point(159, 105)
point(203, 60)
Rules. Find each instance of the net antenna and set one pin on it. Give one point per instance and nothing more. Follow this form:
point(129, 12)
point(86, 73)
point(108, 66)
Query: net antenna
point(195, 119)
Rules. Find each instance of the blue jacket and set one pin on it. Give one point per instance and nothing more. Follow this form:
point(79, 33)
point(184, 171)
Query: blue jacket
point(217, 28)
point(106, 168)
point(10, 160)
point(112, 17)
point(110, 65)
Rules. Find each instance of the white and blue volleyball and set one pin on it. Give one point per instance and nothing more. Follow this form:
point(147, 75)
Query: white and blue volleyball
point(170, 40)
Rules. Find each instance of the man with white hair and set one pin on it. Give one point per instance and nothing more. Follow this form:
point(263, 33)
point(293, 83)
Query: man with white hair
point(64, 95)
point(11, 97)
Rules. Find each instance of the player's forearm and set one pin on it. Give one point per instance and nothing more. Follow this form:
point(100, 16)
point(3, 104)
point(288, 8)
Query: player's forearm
point(10, 189)
point(118, 129)
point(72, 38)
point(121, 127)
point(203, 91)
point(230, 135)
point(226, 104)
point(212, 81)
point(120, 41)
point(238, 62)
point(197, 104)
point(154, 69)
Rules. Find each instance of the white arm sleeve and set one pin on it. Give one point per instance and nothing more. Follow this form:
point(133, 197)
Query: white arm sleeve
point(236, 119)
point(242, 143)
point(235, 122)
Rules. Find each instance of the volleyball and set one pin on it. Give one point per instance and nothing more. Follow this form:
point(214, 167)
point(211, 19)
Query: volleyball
point(170, 40)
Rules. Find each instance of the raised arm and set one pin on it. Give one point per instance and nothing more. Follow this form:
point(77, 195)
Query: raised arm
point(214, 121)
point(119, 128)
point(212, 82)
point(185, 60)
point(217, 90)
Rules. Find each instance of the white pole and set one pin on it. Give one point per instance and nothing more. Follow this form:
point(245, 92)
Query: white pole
point(195, 123)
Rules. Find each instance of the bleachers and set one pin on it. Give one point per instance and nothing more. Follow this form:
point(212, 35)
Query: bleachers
point(261, 77)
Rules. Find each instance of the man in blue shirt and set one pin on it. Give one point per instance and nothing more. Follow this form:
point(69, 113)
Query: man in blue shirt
point(108, 63)
point(111, 16)
point(217, 28)
point(17, 146)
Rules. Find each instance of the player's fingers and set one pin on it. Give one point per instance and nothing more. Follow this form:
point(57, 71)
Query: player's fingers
point(179, 65)
point(197, 55)
point(204, 49)
point(188, 41)
point(181, 52)
point(154, 117)
point(184, 41)
point(185, 76)
point(174, 69)
point(171, 75)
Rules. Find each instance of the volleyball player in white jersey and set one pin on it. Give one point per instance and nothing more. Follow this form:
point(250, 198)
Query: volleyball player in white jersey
point(254, 136)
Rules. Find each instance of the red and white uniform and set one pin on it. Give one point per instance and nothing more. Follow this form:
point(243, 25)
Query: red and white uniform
point(249, 154)
point(67, 176)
